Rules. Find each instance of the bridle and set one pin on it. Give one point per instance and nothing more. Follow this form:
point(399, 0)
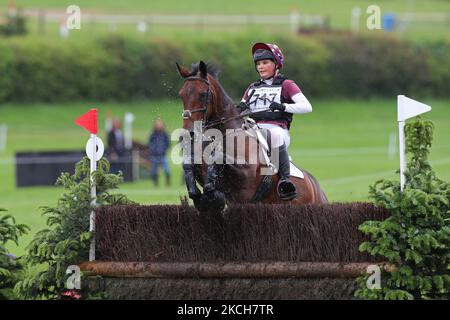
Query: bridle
point(187, 114)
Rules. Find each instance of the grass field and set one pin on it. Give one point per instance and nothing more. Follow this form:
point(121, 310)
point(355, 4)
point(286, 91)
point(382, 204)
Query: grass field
point(338, 12)
point(343, 143)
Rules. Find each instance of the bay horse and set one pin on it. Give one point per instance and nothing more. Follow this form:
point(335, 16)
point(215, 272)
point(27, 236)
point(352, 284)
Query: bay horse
point(205, 101)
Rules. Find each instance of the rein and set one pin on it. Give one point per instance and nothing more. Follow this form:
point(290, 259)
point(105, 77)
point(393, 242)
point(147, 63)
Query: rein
point(225, 120)
point(187, 114)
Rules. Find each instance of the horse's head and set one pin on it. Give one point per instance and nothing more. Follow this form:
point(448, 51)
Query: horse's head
point(197, 94)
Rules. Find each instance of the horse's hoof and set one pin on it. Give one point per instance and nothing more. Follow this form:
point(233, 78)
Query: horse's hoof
point(209, 189)
point(202, 203)
point(218, 201)
point(195, 195)
point(198, 200)
point(213, 202)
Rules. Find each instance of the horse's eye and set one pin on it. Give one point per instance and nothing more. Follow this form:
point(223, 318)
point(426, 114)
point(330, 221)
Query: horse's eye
point(203, 95)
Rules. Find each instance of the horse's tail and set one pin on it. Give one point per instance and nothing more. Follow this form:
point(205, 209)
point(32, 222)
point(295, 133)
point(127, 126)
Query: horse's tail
point(320, 195)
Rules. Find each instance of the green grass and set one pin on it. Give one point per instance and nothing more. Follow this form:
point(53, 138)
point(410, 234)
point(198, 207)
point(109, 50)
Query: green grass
point(343, 143)
point(339, 13)
point(339, 9)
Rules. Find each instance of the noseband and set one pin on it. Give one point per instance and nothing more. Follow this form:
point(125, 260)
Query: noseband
point(187, 114)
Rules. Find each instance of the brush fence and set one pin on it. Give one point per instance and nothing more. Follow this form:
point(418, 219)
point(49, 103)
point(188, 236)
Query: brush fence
point(251, 251)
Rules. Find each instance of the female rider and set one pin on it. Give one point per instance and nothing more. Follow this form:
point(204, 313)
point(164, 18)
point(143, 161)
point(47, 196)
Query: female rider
point(272, 100)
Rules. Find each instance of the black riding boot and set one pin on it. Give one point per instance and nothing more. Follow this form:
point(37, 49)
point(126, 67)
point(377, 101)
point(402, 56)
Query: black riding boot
point(286, 188)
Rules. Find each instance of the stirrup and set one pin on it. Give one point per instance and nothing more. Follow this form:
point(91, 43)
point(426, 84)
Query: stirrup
point(286, 189)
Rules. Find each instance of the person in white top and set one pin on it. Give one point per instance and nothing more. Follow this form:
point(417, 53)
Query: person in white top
point(271, 101)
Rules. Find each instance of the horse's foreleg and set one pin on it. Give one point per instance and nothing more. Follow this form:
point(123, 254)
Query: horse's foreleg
point(211, 179)
point(189, 168)
point(191, 183)
point(215, 199)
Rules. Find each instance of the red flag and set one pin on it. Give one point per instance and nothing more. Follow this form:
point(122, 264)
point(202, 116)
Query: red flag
point(88, 121)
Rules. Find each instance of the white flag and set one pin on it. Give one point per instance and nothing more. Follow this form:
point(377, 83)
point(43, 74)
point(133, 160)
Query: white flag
point(408, 108)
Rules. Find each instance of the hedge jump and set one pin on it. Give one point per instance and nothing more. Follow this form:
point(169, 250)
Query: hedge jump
point(252, 251)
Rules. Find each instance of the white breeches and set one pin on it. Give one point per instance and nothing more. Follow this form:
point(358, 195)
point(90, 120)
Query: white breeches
point(278, 135)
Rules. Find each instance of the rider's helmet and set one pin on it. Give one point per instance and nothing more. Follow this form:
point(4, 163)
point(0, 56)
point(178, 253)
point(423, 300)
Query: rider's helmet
point(262, 51)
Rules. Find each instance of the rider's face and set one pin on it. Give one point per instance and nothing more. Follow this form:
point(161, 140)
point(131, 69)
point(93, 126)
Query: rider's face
point(265, 68)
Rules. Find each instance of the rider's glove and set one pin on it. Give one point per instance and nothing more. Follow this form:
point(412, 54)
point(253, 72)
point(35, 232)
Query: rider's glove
point(243, 106)
point(277, 106)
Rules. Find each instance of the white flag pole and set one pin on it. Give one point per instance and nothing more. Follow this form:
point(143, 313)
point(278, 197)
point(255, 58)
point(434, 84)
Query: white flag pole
point(94, 151)
point(406, 108)
point(401, 136)
point(93, 196)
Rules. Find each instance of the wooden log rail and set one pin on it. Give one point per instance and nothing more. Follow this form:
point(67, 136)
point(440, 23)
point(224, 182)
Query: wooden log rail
point(228, 270)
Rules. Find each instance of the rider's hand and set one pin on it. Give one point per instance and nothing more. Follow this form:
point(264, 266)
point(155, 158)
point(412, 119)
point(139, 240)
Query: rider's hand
point(277, 106)
point(243, 106)
point(246, 112)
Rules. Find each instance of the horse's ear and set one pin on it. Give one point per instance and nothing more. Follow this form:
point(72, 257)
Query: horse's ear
point(182, 70)
point(203, 70)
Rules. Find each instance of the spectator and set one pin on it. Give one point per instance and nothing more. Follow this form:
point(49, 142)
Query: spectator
point(116, 147)
point(158, 144)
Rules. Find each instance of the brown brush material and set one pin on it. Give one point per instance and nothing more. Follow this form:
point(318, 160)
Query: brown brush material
point(244, 233)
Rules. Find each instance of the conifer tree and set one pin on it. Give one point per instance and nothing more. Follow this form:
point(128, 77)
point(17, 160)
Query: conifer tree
point(416, 236)
point(10, 266)
point(67, 239)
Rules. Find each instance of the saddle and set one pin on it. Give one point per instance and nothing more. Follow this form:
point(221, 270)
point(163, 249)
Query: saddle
point(262, 136)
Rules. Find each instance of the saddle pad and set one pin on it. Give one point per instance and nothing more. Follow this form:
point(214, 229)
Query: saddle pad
point(296, 172)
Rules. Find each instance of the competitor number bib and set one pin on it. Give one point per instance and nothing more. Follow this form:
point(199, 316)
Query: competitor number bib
point(264, 96)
